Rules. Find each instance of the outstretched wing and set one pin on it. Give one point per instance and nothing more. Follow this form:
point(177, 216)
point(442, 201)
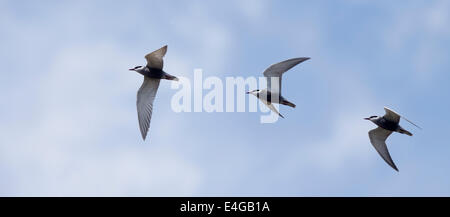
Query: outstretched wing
point(391, 115)
point(277, 70)
point(145, 97)
point(378, 138)
point(394, 116)
point(155, 58)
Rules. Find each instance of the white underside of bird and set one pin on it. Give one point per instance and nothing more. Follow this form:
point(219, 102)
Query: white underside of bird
point(274, 74)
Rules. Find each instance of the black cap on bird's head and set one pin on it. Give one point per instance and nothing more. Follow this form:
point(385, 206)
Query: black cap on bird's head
point(253, 91)
point(371, 117)
point(134, 69)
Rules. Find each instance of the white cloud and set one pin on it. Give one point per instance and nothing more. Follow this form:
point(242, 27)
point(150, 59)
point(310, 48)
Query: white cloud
point(418, 28)
point(345, 134)
point(77, 133)
point(437, 18)
point(210, 41)
point(431, 20)
point(253, 10)
point(60, 146)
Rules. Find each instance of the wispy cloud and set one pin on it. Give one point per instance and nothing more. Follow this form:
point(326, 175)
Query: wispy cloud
point(69, 123)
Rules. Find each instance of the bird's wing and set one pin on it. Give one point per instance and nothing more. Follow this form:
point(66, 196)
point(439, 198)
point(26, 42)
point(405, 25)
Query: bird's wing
point(155, 58)
point(391, 115)
point(145, 97)
point(272, 107)
point(277, 70)
point(394, 116)
point(378, 138)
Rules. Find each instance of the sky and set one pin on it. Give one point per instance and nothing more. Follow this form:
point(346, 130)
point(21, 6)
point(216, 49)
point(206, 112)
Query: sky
point(68, 117)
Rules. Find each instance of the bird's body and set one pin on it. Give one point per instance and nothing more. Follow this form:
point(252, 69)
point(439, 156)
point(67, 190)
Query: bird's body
point(156, 73)
point(153, 73)
point(390, 125)
point(387, 124)
point(266, 96)
point(273, 74)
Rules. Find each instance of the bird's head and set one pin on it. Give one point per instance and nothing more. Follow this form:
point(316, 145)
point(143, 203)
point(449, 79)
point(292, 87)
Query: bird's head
point(253, 92)
point(371, 118)
point(136, 68)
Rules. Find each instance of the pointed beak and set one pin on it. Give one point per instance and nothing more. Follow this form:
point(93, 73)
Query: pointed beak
point(247, 92)
point(131, 69)
point(367, 119)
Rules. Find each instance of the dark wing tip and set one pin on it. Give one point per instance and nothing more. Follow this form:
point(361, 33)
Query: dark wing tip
point(305, 58)
point(392, 164)
point(302, 59)
point(395, 168)
point(144, 135)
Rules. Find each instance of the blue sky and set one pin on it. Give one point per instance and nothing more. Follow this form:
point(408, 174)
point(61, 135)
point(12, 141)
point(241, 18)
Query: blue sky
point(68, 117)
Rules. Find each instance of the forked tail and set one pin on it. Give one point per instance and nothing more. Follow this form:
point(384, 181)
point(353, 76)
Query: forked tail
point(403, 131)
point(285, 102)
point(171, 77)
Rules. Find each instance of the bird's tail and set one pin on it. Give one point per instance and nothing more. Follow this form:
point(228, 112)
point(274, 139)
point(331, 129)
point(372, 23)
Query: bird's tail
point(285, 102)
point(403, 131)
point(171, 77)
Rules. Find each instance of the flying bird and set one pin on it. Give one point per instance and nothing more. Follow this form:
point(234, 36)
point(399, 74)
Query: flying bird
point(386, 125)
point(153, 73)
point(274, 89)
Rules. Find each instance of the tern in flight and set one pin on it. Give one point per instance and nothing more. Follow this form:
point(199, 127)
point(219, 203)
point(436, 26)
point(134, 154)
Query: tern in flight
point(153, 73)
point(386, 125)
point(273, 74)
